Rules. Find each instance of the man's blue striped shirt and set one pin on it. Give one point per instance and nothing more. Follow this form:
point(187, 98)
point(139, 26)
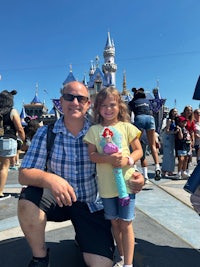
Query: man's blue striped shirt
point(69, 159)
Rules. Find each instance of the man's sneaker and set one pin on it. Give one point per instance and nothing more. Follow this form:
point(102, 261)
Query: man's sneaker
point(157, 175)
point(5, 196)
point(36, 262)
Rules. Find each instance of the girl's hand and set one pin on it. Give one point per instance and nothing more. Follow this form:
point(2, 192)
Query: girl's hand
point(116, 160)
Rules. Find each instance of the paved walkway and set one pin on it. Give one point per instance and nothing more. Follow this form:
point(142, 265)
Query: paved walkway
point(166, 228)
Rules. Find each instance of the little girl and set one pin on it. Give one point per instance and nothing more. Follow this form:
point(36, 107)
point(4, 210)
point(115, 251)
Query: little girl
point(110, 112)
point(183, 145)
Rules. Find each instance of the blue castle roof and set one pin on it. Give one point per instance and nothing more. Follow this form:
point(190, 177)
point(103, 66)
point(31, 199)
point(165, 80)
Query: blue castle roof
point(70, 78)
point(36, 100)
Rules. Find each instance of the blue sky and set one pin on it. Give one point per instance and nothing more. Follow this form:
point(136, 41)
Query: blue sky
point(154, 40)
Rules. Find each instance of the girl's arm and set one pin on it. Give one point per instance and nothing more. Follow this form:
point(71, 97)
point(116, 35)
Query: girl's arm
point(180, 133)
point(137, 150)
point(192, 134)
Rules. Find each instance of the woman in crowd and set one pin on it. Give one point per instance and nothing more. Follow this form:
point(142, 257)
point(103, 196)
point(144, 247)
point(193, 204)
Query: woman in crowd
point(144, 120)
point(168, 139)
point(10, 128)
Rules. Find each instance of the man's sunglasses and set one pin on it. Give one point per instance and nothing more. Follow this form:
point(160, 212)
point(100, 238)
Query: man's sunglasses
point(81, 99)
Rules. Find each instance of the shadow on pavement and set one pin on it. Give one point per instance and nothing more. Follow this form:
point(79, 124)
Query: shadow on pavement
point(15, 252)
point(148, 254)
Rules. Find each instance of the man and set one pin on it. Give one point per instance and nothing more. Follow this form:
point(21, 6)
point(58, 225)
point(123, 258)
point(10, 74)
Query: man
point(67, 190)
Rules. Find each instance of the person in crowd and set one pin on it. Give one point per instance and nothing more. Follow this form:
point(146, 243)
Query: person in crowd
point(111, 115)
point(197, 133)
point(143, 160)
point(143, 119)
point(64, 187)
point(32, 124)
point(168, 140)
point(158, 142)
point(183, 145)
point(10, 127)
point(188, 114)
point(14, 162)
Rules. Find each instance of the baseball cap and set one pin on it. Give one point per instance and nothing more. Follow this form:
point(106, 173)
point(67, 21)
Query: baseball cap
point(182, 118)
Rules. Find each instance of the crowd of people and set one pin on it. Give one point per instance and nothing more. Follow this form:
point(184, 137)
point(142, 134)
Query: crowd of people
point(180, 139)
point(90, 175)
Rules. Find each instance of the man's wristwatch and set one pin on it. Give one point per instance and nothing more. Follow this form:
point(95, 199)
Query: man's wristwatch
point(130, 161)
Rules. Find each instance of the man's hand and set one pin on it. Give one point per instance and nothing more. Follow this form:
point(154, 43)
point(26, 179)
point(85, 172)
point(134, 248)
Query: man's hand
point(136, 182)
point(62, 191)
point(60, 188)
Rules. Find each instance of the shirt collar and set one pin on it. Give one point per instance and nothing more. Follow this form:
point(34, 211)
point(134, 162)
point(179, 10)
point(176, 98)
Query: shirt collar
point(60, 127)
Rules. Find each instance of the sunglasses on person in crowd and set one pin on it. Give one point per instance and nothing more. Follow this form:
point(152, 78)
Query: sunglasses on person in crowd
point(81, 99)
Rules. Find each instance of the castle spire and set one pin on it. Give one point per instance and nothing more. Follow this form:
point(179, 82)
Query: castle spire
point(108, 42)
point(36, 89)
point(109, 67)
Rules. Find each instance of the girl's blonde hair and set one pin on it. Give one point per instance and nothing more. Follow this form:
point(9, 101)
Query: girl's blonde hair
point(101, 96)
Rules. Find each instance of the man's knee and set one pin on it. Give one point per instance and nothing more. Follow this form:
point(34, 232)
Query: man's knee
point(29, 211)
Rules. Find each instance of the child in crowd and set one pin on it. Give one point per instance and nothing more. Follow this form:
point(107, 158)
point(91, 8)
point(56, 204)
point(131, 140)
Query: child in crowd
point(110, 112)
point(190, 126)
point(32, 124)
point(183, 145)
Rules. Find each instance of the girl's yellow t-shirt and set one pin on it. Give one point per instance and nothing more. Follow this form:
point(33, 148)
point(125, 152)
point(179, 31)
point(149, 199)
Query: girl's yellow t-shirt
point(105, 175)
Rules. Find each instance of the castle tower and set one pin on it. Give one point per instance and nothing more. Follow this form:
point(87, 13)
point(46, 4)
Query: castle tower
point(109, 67)
point(36, 107)
point(70, 77)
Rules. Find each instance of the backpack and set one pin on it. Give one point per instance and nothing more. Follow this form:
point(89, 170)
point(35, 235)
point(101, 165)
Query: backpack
point(50, 140)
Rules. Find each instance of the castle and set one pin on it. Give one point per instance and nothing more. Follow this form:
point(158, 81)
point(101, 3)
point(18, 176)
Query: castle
point(98, 78)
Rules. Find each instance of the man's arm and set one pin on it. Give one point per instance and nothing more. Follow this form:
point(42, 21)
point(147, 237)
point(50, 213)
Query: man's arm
point(60, 188)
